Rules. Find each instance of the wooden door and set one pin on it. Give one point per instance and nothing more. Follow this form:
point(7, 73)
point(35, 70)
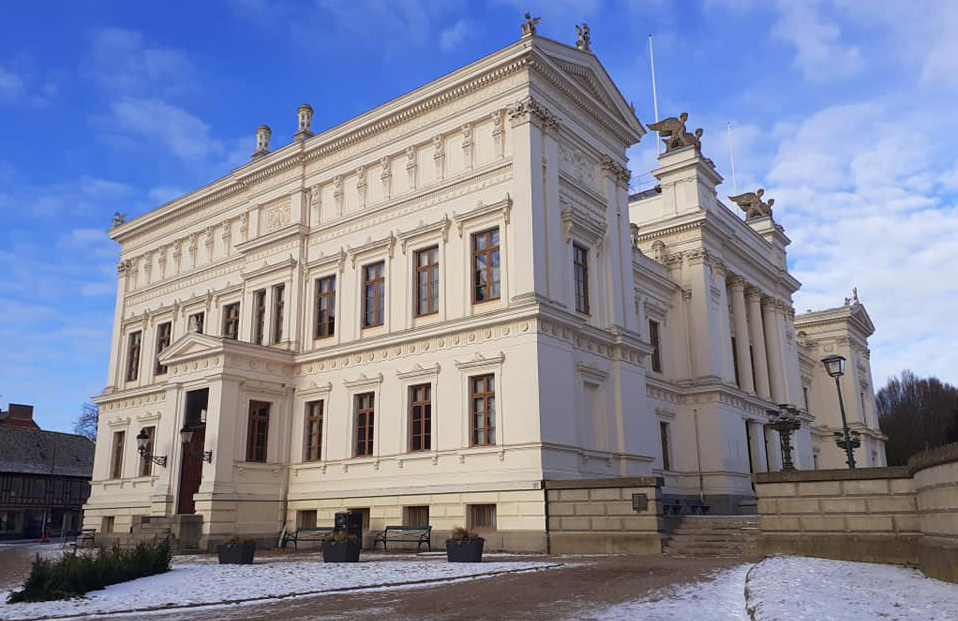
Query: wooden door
point(191, 471)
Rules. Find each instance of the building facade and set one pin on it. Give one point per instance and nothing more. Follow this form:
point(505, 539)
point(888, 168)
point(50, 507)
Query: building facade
point(423, 314)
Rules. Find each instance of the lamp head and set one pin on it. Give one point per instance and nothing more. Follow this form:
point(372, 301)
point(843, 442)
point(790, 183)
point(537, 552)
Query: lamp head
point(834, 365)
point(186, 434)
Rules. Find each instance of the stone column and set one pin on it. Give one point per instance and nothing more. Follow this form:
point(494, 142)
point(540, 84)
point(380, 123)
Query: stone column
point(773, 448)
point(737, 289)
point(758, 342)
point(773, 344)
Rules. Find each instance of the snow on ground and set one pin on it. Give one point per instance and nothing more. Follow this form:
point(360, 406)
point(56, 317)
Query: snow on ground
point(797, 589)
point(720, 598)
point(199, 582)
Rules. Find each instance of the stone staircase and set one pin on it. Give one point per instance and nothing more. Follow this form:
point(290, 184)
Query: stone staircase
point(713, 535)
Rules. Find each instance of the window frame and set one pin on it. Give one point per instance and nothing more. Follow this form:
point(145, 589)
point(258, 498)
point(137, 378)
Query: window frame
point(134, 346)
point(412, 515)
point(257, 451)
point(116, 454)
point(430, 272)
point(378, 283)
point(163, 340)
point(489, 418)
point(146, 465)
point(259, 316)
point(364, 405)
point(488, 252)
point(655, 339)
point(473, 510)
point(329, 321)
point(665, 444)
point(231, 321)
point(424, 406)
point(279, 308)
point(200, 322)
point(314, 440)
point(580, 278)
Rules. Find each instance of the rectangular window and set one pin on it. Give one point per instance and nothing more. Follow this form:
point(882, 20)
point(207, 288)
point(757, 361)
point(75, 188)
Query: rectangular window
point(365, 415)
point(427, 281)
point(656, 349)
point(257, 431)
point(231, 320)
point(116, 459)
point(738, 380)
point(133, 356)
point(146, 465)
point(325, 307)
point(259, 316)
point(108, 523)
point(485, 266)
point(580, 265)
point(482, 408)
point(808, 407)
point(164, 336)
point(374, 295)
point(416, 516)
point(664, 439)
point(306, 519)
point(314, 430)
point(420, 417)
point(279, 305)
point(481, 517)
point(195, 323)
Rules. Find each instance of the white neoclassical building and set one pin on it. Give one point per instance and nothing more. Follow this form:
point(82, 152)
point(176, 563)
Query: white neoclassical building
point(426, 312)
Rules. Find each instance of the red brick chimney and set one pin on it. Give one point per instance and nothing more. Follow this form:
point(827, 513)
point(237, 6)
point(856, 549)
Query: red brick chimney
point(18, 416)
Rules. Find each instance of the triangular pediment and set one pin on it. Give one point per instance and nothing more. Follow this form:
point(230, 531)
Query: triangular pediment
point(861, 316)
point(590, 78)
point(190, 345)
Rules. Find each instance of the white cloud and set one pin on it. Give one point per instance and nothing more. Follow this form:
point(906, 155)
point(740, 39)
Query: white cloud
point(12, 87)
point(454, 35)
point(120, 62)
point(184, 135)
point(820, 52)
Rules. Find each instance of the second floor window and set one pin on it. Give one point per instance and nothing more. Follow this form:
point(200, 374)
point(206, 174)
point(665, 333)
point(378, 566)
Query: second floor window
point(195, 323)
point(134, 342)
point(580, 265)
point(325, 307)
point(257, 432)
point(259, 316)
point(656, 349)
point(146, 465)
point(116, 459)
point(420, 417)
point(485, 266)
point(279, 305)
point(365, 415)
point(314, 430)
point(231, 320)
point(427, 281)
point(374, 294)
point(164, 335)
point(482, 409)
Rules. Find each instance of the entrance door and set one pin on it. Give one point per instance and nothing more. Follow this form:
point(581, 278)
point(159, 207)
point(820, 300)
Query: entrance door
point(191, 471)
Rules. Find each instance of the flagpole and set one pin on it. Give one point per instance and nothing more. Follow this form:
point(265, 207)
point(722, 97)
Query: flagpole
point(655, 98)
point(731, 157)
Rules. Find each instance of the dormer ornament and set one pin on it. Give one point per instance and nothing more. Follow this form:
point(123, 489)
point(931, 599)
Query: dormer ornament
point(529, 27)
point(304, 118)
point(674, 135)
point(119, 218)
point(753, 205)
point(263, 133)
point(583, 41)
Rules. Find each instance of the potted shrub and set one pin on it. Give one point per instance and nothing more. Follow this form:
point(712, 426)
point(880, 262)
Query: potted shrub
point(236, 550)
point(340, 547)
point(464, 546)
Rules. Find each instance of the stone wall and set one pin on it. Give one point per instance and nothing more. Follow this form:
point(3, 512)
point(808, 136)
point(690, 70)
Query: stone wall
point(597, 516)
point(905, 515)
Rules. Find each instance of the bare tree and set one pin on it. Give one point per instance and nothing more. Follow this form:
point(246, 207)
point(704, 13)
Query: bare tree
point(916, 414)
point(86, 424)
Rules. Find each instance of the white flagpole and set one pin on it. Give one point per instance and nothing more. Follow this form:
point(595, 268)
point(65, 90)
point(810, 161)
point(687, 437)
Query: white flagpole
point(655, 98)
point(731, 157)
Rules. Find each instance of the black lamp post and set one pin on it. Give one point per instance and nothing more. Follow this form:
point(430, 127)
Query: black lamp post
point(186, 436)
point(835, 367)
point(142, 441)
point(785, 421)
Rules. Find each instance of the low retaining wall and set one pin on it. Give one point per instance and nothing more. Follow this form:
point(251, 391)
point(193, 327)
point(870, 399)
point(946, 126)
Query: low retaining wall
point(906, 515)
point(605, 516)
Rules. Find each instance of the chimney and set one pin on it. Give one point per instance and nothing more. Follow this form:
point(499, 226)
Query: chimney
point(263, 132)
point(18, 416)
point(305, 118)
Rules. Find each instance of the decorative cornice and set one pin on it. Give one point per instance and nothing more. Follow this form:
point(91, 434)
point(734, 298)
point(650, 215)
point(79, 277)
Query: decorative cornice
point(529, 109)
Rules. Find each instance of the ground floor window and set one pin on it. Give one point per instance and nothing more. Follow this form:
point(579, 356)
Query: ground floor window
point(364, 512)
point(416, 516)
point(306, 519)
point(481, 517)
point(109, 522)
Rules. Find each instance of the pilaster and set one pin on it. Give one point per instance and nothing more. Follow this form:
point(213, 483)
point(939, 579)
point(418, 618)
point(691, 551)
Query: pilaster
point(742, 354)
point(760, 365)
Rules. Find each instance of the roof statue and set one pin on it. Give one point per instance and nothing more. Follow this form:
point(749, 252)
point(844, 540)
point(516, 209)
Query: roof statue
point(583, 41)
point(673, 133)
point(529, 28)
point(753, 205)
point(120, 218)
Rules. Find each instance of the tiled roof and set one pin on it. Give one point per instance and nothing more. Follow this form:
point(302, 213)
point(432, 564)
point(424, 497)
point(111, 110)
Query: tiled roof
point(34, 451)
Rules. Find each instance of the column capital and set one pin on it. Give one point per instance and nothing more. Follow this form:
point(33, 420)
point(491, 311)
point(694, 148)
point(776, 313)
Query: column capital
point(753, 292)
point(530, 110)
point(736, 282)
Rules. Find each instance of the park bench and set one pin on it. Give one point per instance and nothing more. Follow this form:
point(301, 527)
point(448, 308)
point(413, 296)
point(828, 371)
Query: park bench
point(408, 534)
point(671, 506)
point(309, 533)
point(85, 537)
point(697, 507)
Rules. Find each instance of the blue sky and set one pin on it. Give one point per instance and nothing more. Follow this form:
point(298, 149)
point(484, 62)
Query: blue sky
point(842, 109)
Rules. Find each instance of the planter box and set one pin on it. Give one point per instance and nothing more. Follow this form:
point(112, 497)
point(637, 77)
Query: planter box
point(464, 551)
point(236, 554)
point(345, 552)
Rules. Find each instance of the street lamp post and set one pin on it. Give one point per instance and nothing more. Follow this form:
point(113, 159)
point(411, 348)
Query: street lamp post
point(835, 367)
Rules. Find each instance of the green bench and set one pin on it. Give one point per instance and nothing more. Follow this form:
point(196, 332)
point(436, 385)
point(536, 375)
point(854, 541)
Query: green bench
point(408, 534)
point(309, 533)
point(85, 536)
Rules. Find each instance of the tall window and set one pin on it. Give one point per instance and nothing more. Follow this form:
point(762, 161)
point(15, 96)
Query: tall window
point(427, 281)
point(664, 440)
point(231, 320)
point(314, 430)
point(257, 432)
point(485, 266)
point(325, 307)
point(580, 267)
point(259, 316)
point(656, 349)
point(482, 517)
point(738, 379)
point(279, 305)
point(164, 335)
point(374, 296)
point(365, 414)
point(146, 465)
point(420, 417)
point(195, 323)
point(116, 459)
point(482, 408)
point(133, 356)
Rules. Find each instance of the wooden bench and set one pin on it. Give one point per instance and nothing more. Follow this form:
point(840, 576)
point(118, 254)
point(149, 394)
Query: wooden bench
point(85, 536)
point(409, 534)
point(309, 533)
